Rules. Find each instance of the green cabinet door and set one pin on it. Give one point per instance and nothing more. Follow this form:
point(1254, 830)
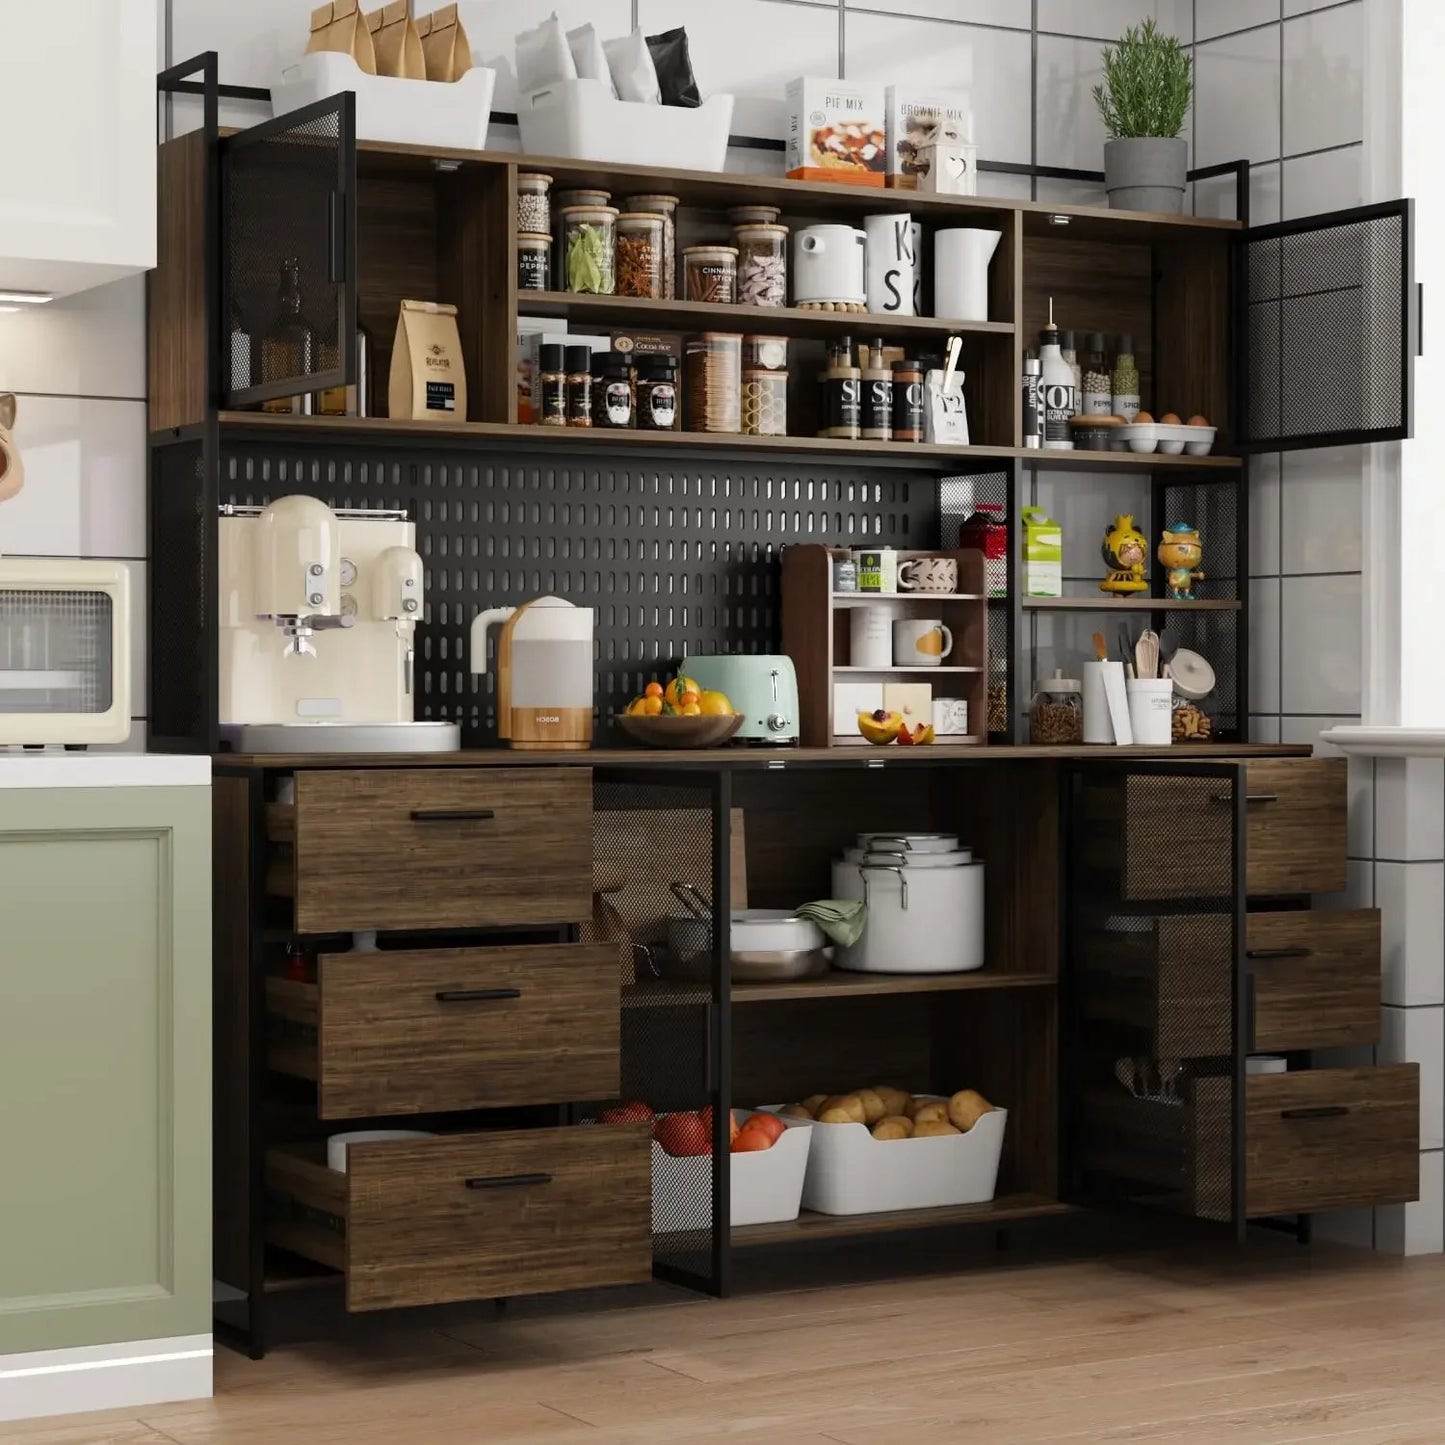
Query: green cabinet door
point(105, 1029)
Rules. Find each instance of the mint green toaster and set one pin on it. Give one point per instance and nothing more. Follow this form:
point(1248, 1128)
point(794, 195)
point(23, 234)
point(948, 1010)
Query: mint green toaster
point(763, 688)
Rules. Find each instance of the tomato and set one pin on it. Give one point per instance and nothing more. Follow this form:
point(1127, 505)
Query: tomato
point(705, 1115)
point(750, 1141)
point(683, 1134)
point(631, 1112)
point(768, 1124)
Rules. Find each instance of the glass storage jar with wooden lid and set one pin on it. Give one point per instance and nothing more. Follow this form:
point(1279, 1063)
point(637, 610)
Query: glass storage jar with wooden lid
point(762, 265)
point(534, 204)
point(710, 273)
point(1056, 713)
point(589, 238)
point(640, 249)
point(666, 207)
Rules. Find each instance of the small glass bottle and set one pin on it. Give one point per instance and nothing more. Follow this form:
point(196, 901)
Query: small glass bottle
point(877, 395)
point(841, 387)
point(579, 385)
point(552, 385)
point(288, 349)
point(611, 390)
point(908, 401)
point(1125, 381)
point(657, 393)
point(1068, 348)
point(1097, 398)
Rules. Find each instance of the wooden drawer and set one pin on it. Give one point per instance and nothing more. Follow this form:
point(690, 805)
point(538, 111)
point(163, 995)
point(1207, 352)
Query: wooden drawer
point(1313, 1139)
point(1316, 979)
point(1331, 1138)
point(1154, 838)
point(472, 1216)
point(442, 848)
point(449, 1029)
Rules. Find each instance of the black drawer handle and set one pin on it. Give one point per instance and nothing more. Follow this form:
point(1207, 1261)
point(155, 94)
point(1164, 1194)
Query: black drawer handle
point(508, 1181)
point(1248, 798)
point(476, 995)
point(1293, 952)
point(445, 815)
point(1318, 1111)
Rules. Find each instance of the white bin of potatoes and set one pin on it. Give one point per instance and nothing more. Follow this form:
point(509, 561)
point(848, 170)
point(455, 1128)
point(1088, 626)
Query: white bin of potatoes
point(882, 1149)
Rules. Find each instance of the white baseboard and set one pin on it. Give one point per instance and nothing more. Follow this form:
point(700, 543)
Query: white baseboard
point(105, 1377)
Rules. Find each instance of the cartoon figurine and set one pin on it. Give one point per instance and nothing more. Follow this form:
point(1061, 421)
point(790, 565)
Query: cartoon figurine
point(1181, 551)
point(1125, 549)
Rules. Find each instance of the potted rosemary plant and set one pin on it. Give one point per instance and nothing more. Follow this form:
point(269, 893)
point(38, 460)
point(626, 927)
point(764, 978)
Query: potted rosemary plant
point(1144, 99)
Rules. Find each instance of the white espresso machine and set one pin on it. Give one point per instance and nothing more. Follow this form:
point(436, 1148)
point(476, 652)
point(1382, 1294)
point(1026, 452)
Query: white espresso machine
point(318, 615)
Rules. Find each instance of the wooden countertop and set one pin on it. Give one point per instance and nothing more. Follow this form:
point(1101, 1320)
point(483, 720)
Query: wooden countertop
point(746, 757)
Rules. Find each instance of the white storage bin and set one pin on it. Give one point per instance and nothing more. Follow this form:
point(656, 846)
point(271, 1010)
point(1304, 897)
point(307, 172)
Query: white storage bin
point(766, 1188)
point(582, 120)
point(408, 112)
point(851, 1172)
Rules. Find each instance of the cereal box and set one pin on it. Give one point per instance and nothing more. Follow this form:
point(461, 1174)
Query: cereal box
point(836, 131)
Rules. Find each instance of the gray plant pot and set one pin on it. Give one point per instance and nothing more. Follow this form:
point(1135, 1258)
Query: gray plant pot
point(1146, 174)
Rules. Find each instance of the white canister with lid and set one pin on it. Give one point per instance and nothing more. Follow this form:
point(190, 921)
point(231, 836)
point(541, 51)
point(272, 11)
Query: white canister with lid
point(1151, 710)
point(828, 266)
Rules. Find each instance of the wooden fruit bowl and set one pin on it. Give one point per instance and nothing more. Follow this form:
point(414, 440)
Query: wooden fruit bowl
point(679, 732)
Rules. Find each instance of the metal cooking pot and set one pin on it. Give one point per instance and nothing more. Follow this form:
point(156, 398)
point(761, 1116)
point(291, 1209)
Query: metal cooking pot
point(909, 842)
point(765, 944)
point(920, 919)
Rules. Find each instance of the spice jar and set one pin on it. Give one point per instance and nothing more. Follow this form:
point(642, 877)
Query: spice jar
point(762, 265)
point(639, 255)
point(666, 207)
point(563, 201)
point(908, 401)
point(714, 382)
point(534, 204)
point(710, 273)
point(754, 216)
point(579, 385)
point(1056, 714)
point(534, 263)
point(1098, 398)
point(589, 237)
point(552, 385)
point(611, 390)
point(1125, 381)
point(656, 393)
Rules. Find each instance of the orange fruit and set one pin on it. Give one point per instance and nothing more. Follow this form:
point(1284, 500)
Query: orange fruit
point(652, 706)
point(679, 685)
point(768, 1124)
point(653, 689)
point(715, 704)
point(750, 1141)
point(688, 698)
point(637, 707)
point(690, 709)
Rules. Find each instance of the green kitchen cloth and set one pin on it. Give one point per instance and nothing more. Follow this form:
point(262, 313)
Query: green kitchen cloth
point(842, 919)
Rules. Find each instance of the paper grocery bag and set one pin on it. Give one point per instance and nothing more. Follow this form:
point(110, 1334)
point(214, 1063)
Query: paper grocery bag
point(339, 25)
point(397, 45)
point(428, 379)
point(444, 43)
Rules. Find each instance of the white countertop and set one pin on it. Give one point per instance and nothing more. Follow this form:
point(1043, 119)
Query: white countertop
point(103, 770)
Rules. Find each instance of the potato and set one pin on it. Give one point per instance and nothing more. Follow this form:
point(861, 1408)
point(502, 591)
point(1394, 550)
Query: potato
point(895, 1101)
point(966, 1108)
point(873, 1106)
point(850, 1104)
point(934, 1129)
point(931, 1112)
point(814, 1102)
point(837, 1116)
point(796, 1111)
point(894, 1126)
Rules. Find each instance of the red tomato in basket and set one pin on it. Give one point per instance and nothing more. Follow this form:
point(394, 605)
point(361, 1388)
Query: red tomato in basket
point(632, 1112)
point(683, 1134)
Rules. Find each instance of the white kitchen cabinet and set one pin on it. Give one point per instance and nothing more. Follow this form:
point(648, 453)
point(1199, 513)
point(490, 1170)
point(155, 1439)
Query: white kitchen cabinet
point(78, 113)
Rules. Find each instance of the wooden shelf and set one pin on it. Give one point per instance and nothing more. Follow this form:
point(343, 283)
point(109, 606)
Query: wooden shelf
point(1103, 603)
point(835, 984)
point(808, 1226)
point(921, 454)
point(759, 320)
point(1078, 461)
point(930, 671)
point(908, 596)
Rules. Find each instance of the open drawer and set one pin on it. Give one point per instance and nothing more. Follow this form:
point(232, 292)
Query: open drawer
point(449, 1029)
point(417, 848)
point(470, 1216)
point(1313, 1139)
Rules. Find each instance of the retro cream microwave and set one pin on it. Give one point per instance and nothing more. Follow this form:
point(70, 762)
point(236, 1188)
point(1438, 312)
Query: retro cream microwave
point(64, 651)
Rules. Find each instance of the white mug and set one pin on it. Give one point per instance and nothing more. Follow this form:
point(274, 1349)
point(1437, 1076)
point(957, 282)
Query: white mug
point(928, 574)
point(960, 273)
point(869, 637)
point(920, 642)
point(891, 263)
point(916, 231)
point(877, 569)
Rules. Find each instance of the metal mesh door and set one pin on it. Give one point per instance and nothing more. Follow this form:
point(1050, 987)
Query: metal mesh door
point(652, 839)
point(1155, 919)
point(289, 196)
point(1331, 329)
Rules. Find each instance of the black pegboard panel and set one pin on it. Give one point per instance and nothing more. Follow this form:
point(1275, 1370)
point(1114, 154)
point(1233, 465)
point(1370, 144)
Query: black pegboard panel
point(677, 556)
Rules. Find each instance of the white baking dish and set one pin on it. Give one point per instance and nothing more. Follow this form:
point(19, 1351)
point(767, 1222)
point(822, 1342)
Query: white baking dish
point(408, 112)
point(851, 1172)
point(766, 1185)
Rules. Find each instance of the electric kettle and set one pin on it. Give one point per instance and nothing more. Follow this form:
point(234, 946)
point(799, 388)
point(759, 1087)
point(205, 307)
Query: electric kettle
point(544, 672)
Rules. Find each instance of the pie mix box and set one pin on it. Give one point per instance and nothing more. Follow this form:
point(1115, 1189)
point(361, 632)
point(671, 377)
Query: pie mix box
point(912, 114)
point(836, 131)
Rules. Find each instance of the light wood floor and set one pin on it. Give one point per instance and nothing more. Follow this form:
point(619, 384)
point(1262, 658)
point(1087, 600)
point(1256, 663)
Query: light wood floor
point(1202, 1344)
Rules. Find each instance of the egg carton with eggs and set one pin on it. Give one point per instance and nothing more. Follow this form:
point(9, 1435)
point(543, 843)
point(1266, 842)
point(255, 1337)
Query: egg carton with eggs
point(1168, 435)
